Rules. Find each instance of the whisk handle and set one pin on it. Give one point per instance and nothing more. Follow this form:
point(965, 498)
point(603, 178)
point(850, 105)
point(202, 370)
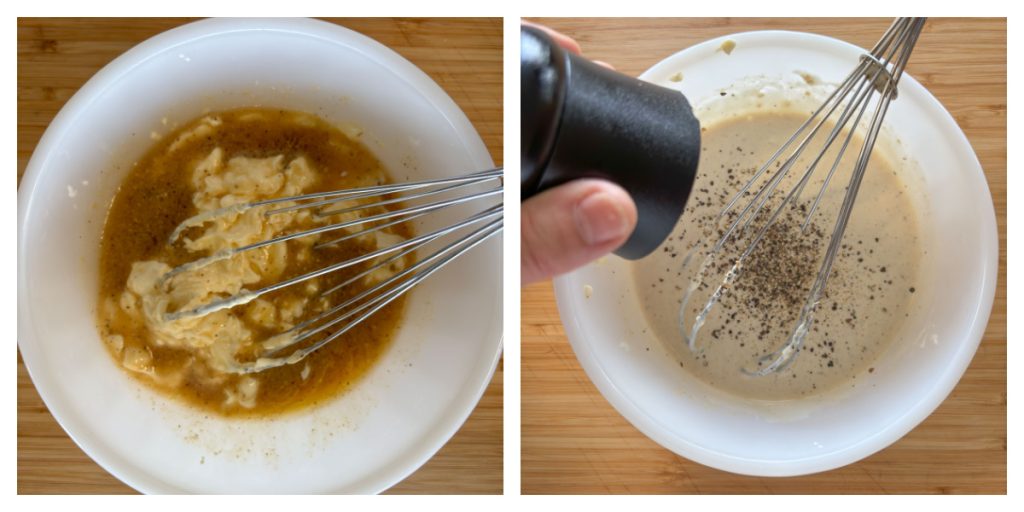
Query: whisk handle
point(580, 120)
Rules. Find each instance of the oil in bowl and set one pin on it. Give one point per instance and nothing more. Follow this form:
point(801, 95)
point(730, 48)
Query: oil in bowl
point(218, 161)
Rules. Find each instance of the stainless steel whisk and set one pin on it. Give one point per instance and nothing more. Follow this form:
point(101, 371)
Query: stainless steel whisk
point(418, 199)
point(873, 82)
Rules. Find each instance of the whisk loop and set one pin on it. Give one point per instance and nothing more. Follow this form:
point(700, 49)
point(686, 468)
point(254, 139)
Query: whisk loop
point(457, 239)
point(873, 81)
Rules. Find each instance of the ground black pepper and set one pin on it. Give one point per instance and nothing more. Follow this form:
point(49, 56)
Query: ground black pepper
point(760, 308)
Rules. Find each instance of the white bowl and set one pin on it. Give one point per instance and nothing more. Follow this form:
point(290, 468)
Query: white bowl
point(610, 336)
point(397, 416)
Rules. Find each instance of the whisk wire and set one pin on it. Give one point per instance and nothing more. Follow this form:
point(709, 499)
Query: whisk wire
point(248, 296)
point(403, 214)
point(377, 190)
point(370, 307)
point(781, 358)
point(878, 71)
point(440, 254)
point(341, 318)
point(394, 200)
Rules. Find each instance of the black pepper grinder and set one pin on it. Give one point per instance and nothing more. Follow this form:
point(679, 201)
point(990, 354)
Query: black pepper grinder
point(580, 119)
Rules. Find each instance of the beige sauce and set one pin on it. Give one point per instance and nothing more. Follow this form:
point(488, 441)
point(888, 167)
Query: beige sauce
point(869, 293)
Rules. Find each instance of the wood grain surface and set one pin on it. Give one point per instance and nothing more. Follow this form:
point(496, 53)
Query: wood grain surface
point(57, 56)
point(573, 441)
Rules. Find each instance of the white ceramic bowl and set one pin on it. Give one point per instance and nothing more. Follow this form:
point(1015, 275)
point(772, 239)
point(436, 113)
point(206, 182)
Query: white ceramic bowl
point(608, 331)
point(410, 403)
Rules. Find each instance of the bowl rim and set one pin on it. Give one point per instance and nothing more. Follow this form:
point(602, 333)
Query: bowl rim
point(122, 66)
point(945, 382)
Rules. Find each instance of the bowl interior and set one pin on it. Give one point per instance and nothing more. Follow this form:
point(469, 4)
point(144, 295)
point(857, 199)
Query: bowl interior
point(396, 417)
point(644, 382)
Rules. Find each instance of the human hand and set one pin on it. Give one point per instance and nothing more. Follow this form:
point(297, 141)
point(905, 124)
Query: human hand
point(567, 226)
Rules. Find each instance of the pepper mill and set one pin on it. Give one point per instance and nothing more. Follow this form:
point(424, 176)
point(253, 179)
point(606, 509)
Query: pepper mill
point(583, 120)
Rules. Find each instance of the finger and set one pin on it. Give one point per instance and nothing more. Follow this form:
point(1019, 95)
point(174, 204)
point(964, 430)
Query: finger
point(565, 227)
point(560, 39)
point(603, 63)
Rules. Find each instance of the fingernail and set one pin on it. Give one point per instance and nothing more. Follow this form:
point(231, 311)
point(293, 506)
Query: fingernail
point(599, 219)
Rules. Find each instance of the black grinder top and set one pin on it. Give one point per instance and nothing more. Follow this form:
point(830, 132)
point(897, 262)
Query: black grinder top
point(580, 120)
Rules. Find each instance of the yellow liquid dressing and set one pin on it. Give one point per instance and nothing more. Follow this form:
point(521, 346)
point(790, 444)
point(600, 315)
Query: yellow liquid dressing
point(216, 161)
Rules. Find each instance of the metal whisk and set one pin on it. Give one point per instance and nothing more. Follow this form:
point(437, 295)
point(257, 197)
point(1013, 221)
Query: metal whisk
point(872, 85)
point(415, 200)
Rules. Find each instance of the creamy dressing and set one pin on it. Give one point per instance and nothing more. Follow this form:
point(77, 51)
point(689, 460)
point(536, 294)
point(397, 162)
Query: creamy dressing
point(868, 296)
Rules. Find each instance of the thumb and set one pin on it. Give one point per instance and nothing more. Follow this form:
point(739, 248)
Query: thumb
point(568, 226)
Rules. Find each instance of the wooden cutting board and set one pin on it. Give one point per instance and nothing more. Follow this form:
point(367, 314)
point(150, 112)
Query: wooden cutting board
point(57, 56)
point(573, 441)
